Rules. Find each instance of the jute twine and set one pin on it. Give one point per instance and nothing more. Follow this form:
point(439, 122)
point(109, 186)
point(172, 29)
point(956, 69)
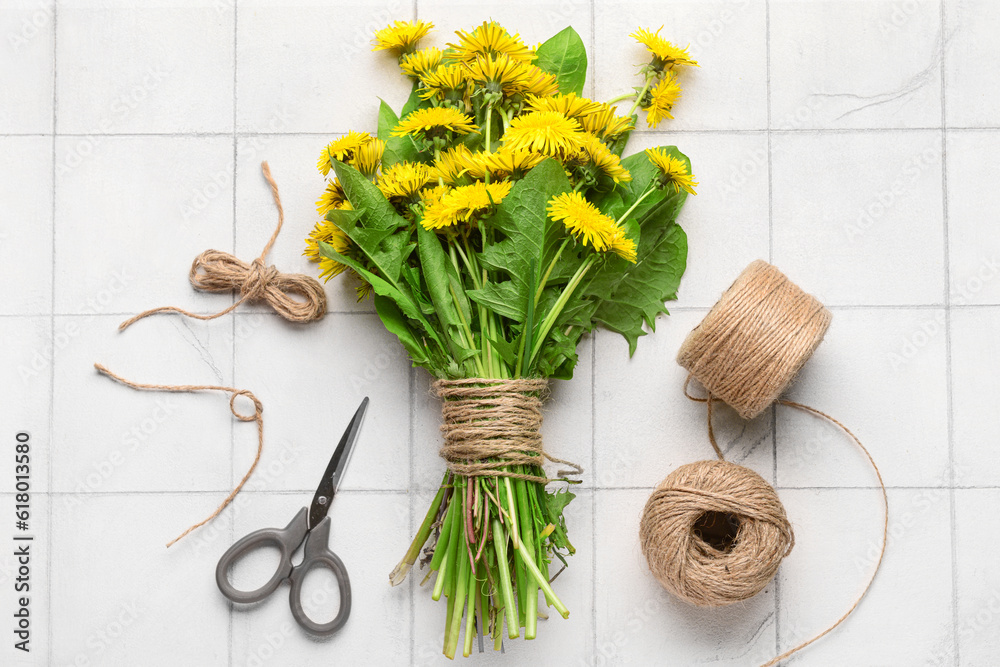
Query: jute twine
point(746, 352)
point(218, 271)
point(687, 565)
point(491, 425)
point(257, 417)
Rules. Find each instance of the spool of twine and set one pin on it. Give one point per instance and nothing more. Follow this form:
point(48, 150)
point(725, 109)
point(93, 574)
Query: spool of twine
point(489, 426)
point(696, 558)
point(714, 532)
point(218, 271)
point(754, 341)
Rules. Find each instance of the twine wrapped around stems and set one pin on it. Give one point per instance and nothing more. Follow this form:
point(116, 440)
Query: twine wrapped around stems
point(492, 425)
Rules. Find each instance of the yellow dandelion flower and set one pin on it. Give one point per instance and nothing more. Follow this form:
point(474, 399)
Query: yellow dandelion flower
point(539, 82)
point(368, 158)
point(421, 63)
point(582, 219)
point(464, 204)
point(601, 157)
point(673, 171)
point(497, 73)
point(342, 149)
point(547, 132)
point(433, 122)
point(664, 96)
point(431, 196)
point(487, 40)
point(605, 123)
point(333, 197)
point(443, 81)
point(404, 180)
point(509, 162)
point(665, 54)
point(568, 105)
point(329, 233)
point(401, 37)
point(622, 245)
point(452, 164)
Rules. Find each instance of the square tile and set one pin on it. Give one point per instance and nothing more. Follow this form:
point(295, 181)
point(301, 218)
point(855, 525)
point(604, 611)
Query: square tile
point(567, 426)
point(906, 616)
point(727, 38)
point(32, 587)
point(639, 622)
point(108, 437)
point(28, 28)
point(974, 244)
point(727, 222)
point(139, 597)
point(340, 90)
point(969, 27)
point(842, 64)
point(858, 216)
point(26, 245)
point(378, 628)
point(978, 578)
point(27, 353)
point(645, 427)
point(558, 640)
point(311, 379)
point(292, 160)
point(975, 390)
point(166, 67)
point(902, 419)
point(131, 217)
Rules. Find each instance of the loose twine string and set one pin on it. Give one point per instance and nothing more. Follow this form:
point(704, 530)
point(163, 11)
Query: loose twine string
point(746, 352)
point(218, 271)
point(492, 425)
point(257, 416)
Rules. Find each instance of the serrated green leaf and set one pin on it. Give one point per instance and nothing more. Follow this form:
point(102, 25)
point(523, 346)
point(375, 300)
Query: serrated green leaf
point(502, 298)
point(395, 322)
point(387, 120)
point(565, 56)
point(633, 294)
point(434, 265)
point(397, 149)
point(363, 195)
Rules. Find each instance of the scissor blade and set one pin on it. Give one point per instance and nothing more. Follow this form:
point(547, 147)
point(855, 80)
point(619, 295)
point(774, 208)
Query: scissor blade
point(335, 469)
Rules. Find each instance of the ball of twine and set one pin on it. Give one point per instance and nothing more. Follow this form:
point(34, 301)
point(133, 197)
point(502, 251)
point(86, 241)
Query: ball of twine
point(696, 567)
point(754, 341)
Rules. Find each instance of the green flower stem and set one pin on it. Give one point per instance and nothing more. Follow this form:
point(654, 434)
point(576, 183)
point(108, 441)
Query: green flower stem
point(567, 292)
point(638, 98)
point(530, 603)
point(470, 614)
point(500, 541)
point(397, 575)
point(458, 597)
point(650, 190)
point(620, 98)
point(548, 271)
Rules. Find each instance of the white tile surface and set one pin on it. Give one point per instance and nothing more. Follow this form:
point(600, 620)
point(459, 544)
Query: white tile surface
point(804, 118)
point(823, 56)
point(857, 217)
point(28, 28)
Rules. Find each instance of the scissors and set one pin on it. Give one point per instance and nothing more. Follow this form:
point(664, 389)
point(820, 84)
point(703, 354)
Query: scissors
point(312, 526)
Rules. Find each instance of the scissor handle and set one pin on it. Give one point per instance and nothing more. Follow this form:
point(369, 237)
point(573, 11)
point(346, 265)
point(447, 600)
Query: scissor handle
point(318, 554)
point(286, 539)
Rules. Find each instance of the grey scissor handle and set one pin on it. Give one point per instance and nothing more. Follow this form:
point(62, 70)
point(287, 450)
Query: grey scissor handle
point(287, 540)
point(318, 554)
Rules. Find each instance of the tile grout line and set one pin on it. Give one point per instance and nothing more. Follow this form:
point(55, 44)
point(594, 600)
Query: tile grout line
point(593, 496)
point(949, 401)
point(52, 333)
point(770, 258)
point(232, 370)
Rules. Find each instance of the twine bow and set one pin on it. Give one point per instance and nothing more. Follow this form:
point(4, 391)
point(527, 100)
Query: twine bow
point(218, 271)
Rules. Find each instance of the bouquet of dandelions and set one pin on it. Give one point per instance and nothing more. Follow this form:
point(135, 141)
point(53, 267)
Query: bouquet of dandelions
point(495, 224)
